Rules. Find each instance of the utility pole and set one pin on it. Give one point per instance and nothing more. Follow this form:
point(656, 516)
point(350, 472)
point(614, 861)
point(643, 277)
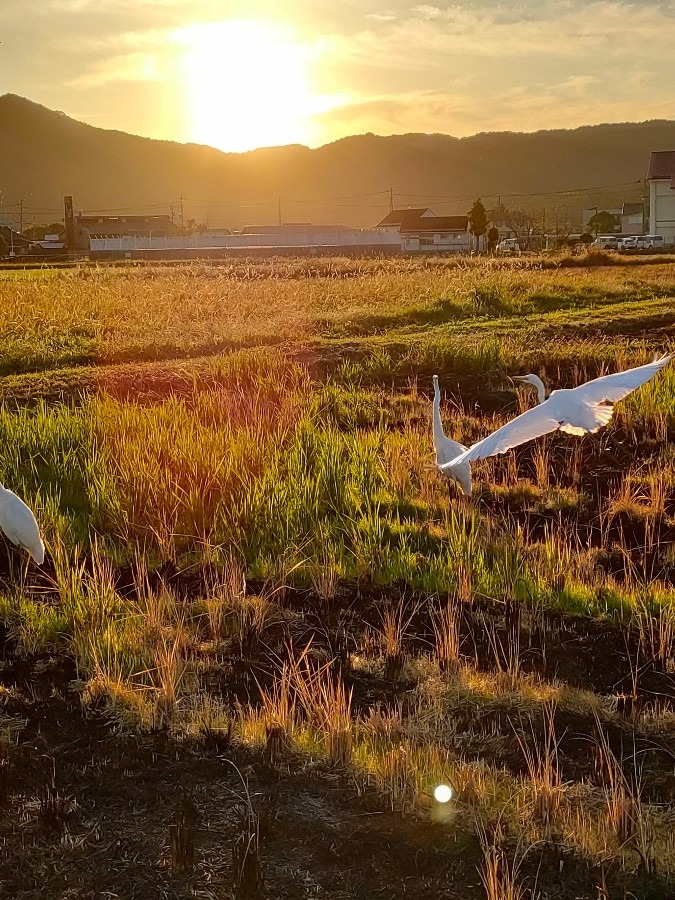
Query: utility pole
point(391, 199)
point(543, 226)
point(70, 224)
point(20, 205)
point(171, 211)
point(182, 213)
point(280, 210)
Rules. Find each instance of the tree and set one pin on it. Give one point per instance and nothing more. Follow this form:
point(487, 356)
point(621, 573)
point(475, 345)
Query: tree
point(563, 225)
point(492, 239)
point(192, 227)
point(38, 232)
point(477, 221)
point(4, 247)
point(586, 238)
point(602, 222)
point(521, 223)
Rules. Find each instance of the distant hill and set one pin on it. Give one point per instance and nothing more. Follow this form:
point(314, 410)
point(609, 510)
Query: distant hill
point(45, 154)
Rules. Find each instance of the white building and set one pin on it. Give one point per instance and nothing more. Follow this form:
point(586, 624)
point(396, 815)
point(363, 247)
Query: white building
point(437, 234)
point(422, 231)
point(328, 239)
point(661, 179)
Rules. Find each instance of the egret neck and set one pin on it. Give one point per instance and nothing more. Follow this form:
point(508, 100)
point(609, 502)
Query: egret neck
point(437, 424)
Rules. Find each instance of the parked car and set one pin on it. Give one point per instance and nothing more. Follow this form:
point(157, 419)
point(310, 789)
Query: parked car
point(629, 243)
point(508, 245)
point(651, 242)
point(605, 242)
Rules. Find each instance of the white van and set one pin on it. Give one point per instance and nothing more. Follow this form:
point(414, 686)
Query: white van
point(651, 241)
point(605, 242)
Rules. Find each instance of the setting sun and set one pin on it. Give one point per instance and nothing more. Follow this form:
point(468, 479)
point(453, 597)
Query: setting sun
point(248, 85)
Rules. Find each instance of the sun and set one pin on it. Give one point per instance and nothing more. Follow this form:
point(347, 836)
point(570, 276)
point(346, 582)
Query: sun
point(248, 84)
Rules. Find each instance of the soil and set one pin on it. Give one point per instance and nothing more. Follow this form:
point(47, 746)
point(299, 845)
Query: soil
point(87, 809)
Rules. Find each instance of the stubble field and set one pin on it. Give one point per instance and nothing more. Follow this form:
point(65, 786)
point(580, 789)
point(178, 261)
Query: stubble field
point(266, 630)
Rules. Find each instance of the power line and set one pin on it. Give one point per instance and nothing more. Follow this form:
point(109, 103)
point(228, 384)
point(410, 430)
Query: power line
point(271, 200)
point(346, 197)
point(603, 187)
point(336, 202)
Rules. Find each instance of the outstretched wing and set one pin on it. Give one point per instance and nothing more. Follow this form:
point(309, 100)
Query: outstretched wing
point(612, 388)
point(529, 425)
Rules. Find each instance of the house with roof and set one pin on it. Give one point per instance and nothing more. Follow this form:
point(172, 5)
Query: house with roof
point(400, 218)
point(422, 231)
point(661, 178)
point(436, 234)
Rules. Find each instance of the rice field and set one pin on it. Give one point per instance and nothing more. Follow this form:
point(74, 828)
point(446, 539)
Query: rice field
point(267, 629)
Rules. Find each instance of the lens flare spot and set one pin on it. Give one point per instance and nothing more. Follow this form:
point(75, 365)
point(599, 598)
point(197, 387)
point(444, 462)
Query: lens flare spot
point(443, 793)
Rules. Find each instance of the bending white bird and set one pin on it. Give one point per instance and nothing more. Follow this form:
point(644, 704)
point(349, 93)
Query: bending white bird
point(18, 523)
point(581, 410)
point(447, 449)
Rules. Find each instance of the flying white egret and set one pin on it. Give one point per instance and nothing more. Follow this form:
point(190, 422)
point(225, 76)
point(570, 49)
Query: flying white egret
point(447, 450)
point(581, 410)
point(18, 523)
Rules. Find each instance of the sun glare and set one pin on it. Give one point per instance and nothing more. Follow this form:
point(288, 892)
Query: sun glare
point(248, 85)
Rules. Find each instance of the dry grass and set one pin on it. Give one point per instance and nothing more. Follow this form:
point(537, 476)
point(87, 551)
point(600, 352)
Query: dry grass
point(446, 623)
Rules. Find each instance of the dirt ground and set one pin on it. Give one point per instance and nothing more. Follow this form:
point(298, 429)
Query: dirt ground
point(87, 811)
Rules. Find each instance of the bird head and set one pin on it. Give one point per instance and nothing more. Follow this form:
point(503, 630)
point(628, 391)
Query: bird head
point(434, 378)
point(536, 382)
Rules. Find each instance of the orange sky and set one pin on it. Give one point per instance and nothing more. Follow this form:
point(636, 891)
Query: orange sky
point(239, 74)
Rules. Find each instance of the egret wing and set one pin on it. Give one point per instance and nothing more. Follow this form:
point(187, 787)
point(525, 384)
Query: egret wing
point(532, 424)
point(611, 388)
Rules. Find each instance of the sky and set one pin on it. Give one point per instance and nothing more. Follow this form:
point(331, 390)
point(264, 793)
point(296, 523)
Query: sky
point(239, 74)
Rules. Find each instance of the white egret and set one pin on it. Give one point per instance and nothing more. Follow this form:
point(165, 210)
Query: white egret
point(18, 523)
point(447, 449)
point(581, 410)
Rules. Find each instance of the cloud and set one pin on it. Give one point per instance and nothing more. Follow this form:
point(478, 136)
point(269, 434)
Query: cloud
point(385, 16)
point(126, 67)
point(427, 12)
point(468, 67)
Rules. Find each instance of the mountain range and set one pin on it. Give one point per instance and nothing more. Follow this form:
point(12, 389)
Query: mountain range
point(45, 155)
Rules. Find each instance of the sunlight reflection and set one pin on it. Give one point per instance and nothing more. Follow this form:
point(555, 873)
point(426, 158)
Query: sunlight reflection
point(443, 793)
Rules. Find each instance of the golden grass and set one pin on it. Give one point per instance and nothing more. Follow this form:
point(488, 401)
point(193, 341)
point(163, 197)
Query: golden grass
point(104, 315)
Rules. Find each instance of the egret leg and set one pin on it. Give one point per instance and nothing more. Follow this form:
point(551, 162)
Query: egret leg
point(10, 561)
point(25, 569)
